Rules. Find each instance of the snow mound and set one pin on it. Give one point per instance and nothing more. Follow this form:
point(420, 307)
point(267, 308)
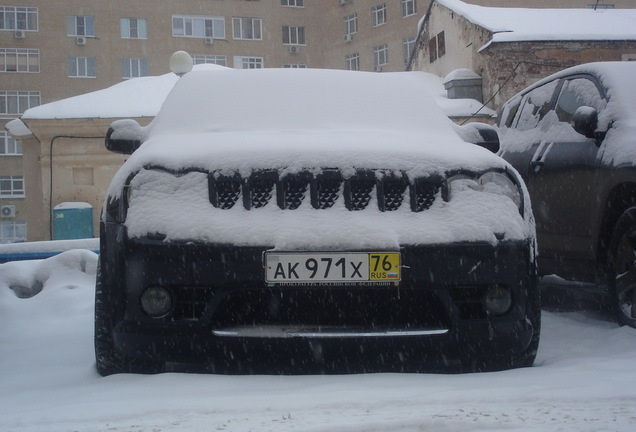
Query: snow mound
point(28, 278)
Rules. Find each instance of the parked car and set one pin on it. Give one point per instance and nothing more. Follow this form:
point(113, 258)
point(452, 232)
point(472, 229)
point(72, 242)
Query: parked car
point(572, 136)
point(312, 220)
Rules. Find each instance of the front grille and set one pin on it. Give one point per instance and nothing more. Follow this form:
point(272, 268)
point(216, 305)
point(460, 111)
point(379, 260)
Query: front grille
point(322, 190)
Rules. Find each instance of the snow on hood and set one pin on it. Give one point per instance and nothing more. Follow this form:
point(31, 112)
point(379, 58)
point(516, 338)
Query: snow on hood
point(520, 24)
point(295, 119)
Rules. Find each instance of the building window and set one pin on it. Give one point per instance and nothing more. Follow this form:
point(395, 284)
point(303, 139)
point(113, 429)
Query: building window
point(295, 66)
point(17, 102)
point(352, 62)
point(378, 15)
point(198, 26)
point(248, 62)
point(134, 67)
point(12, 231)
point(247, 28)
point(133, 28)
point(220, 60)
point(11, 186)
point(409, 7)
point(78, 25)
point(351, 24)
point(19, 60)
point(81, 67)
point(437, 46)
point(293, 35)
point(18, 18)
point(381, 56)
point(409, 46)
point(9, 146)
point(292, 3)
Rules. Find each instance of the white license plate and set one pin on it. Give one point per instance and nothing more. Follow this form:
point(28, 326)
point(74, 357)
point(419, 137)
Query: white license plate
point(307, 267)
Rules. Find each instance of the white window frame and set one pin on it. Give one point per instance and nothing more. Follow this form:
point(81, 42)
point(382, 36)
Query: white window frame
point(380, 56)
point(134, 68)
point(8, 145)
point(15, 102)
point(352, 61)
point(17, 231)
point(294, 35)
point(378, 15)
point(18, 18)
point(247, 62)
point(20, 60)
point(293, 3)
point(409, 45)
point(295, 66)
point(133, 28)
point(198, 26)
point(409, 7)
point(351, 24)
point(216, 59)
point(247, 28)
point(82, 67)
point(80, 25)
point(11, 186)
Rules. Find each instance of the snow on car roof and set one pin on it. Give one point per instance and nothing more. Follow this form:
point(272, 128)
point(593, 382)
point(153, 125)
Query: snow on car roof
point(521, 24)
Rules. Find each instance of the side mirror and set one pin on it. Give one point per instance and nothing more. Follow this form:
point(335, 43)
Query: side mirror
point(125, 136)
point(585, 121)
point(481, 134)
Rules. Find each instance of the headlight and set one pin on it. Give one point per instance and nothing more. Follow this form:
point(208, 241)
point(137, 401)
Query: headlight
point(495, 182)
point(156, 301)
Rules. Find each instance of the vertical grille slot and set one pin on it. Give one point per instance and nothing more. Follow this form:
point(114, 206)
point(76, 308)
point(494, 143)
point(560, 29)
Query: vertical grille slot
point(291, 190)
point(358, 190)
point(224, 190)
point(325, 189)
point(423, 192)
point(259, 189)
point(391, 193)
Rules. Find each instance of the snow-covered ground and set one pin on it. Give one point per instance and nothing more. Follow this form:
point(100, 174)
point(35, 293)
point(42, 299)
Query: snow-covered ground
point(584, 379)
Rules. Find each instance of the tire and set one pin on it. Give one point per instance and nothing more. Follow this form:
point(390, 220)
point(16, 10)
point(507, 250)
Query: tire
point(108, 360)
point(622, 269)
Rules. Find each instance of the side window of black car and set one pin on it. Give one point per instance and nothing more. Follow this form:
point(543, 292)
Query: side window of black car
point(535, 105)
point(576, 93)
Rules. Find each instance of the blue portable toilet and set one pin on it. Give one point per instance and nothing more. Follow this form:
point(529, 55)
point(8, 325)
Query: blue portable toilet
point(72, 220)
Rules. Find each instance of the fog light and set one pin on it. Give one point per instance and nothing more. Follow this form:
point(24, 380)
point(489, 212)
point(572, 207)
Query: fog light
point(156, 302)
point(498, 300)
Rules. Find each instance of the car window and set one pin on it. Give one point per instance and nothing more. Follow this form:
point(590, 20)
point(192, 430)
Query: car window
point(535, 105)
point(576, 93)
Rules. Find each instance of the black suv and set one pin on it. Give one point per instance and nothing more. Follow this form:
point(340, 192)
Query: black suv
point(302, 220)
point(572, 136)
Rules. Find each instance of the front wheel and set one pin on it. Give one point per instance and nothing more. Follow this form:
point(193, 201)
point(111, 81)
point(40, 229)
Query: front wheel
point(622, 269)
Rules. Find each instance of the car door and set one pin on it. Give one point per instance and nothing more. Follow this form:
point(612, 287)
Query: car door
point(560, 170)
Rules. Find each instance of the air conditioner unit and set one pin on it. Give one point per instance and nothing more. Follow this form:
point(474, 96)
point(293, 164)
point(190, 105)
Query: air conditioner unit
point(293, 50)
point(19, 34)
point(209, 40)
point(7, 211)
point(81, 40)
point(348, 37)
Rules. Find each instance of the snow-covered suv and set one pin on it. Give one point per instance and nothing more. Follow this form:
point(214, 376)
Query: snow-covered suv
point(302, 220)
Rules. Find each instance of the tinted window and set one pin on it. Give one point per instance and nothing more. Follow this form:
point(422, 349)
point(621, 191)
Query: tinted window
point(535, 105)
point(576, 93)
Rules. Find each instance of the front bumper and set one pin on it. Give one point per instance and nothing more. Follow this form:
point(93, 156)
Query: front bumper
point(228, 318)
